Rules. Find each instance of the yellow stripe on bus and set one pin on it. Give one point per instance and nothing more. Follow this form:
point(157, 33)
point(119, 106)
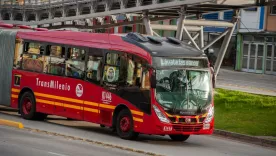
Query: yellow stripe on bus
point(137, 113)
point(91, 103)
point(91, 110)
point(58, 98)
point(14, 96)
point(74, 101)
point(106, 106)
point(45, 101)
point(15, 90)
point(137, 119)
point(72, 106)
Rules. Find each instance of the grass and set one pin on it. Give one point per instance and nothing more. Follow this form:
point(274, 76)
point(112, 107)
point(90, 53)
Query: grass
point(245, 113)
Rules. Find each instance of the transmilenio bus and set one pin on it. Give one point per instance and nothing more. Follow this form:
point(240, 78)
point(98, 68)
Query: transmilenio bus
point(133, 83)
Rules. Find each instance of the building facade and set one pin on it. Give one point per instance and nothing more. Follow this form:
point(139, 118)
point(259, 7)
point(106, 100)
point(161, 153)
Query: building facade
point(256, 41)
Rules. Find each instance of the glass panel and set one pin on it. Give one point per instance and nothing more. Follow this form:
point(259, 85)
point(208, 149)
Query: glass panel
point(259, 63)
point(269, 51)
point(245, 49)
point(248, 38)
point(269, 39)
point(253, 50)
point(252, 63)
point(244, 62)
point(274, 53)
point(274, 66)
point(259, 39)
point(261, 50)
point(268, 65)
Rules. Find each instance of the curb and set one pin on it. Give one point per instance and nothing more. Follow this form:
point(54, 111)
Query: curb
point(92, 142)
point(246, 138)
point(11, 123)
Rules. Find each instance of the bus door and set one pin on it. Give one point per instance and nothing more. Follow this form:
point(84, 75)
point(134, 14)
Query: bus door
point(93, 89)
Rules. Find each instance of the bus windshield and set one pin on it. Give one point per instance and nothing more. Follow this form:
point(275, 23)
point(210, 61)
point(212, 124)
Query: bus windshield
point(183, 90)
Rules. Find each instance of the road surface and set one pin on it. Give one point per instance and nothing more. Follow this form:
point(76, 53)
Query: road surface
point(195, 145)
point(15, 142)
point(247, 82)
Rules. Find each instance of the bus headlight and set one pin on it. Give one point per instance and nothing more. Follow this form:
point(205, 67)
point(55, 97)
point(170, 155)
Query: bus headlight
point(210, 115)
point(160, 115)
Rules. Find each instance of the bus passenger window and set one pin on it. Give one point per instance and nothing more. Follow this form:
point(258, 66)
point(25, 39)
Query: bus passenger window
point(111, 68)
point(56, 60)
point(18, 53)
point(94, 68)
point(31, 59)
point(75, 65)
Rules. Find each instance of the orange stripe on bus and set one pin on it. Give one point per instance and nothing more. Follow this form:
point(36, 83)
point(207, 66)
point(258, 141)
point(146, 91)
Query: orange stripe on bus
point(45, 101)
point(91, 110)
point(137, 119)
point(15, 90)
point(14, 96)
point(106, 106)
point(72, 106)
point(137, 112)
point(58, 98)
point(91, 103)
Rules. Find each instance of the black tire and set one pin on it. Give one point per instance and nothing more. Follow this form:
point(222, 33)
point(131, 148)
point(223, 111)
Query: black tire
point(32, 113)
point(179, 137)
point(129, 134)
point(40, 116)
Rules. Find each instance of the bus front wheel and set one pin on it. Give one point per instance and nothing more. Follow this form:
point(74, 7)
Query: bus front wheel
point(124, 125)
point(179, 137)
point(28, 107)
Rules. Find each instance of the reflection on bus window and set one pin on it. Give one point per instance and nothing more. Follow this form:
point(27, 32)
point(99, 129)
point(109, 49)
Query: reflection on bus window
point(94, 66)
point(32, 62)
point(56, 60)
point(75, 66)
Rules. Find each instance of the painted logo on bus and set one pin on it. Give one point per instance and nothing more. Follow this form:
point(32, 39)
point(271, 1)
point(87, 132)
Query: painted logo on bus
point(79, 90)
point(53, 84)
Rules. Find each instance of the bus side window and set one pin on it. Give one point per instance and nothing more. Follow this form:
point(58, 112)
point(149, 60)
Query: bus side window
point(112, 68)
point(75, 63)
point(55, 60)
point(94, 66)
point(31, 58)
point(18, 53)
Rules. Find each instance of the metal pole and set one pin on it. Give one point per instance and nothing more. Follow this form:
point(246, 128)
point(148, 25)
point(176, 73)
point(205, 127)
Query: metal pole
point(179, 31)
point(215, 40)
point(146, 22)
point(226, 42)
point(190, 37)
point(195, 36)
point(201, 37)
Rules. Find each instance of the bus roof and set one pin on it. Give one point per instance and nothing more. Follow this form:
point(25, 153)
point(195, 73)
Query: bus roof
point(141, 45)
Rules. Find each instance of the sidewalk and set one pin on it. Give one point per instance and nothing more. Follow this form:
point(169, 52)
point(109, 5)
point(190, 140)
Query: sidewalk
point(246, 82)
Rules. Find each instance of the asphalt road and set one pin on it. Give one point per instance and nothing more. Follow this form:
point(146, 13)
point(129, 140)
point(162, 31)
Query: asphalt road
point(247, 82)
point(15, 142)
point(195, 145)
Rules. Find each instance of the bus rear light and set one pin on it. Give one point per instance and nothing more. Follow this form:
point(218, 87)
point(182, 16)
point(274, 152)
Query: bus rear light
point(160, 115)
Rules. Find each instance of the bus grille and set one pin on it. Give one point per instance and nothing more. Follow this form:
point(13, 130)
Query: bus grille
point(187, 128)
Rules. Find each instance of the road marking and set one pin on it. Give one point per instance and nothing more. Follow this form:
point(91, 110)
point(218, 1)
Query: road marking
point(56, 154)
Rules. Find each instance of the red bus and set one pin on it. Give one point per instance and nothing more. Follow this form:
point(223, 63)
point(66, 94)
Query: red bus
point(132, 83)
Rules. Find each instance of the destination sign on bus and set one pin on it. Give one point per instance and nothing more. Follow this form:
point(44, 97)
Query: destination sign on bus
point(179, 62)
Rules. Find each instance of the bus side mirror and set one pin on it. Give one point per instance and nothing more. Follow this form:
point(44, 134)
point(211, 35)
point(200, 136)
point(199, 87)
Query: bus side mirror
point(153, 80)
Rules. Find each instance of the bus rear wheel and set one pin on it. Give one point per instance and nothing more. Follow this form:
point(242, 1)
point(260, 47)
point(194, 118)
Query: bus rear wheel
point(179, 137)
point(124, 125)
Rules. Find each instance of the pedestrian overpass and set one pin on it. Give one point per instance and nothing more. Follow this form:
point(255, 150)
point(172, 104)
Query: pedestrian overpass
point(102, 14)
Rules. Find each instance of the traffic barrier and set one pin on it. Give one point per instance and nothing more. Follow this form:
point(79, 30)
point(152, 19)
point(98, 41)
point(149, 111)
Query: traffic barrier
point(11, 123)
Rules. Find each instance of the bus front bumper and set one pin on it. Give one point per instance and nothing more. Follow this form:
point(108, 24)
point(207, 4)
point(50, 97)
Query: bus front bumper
point(184, 129)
